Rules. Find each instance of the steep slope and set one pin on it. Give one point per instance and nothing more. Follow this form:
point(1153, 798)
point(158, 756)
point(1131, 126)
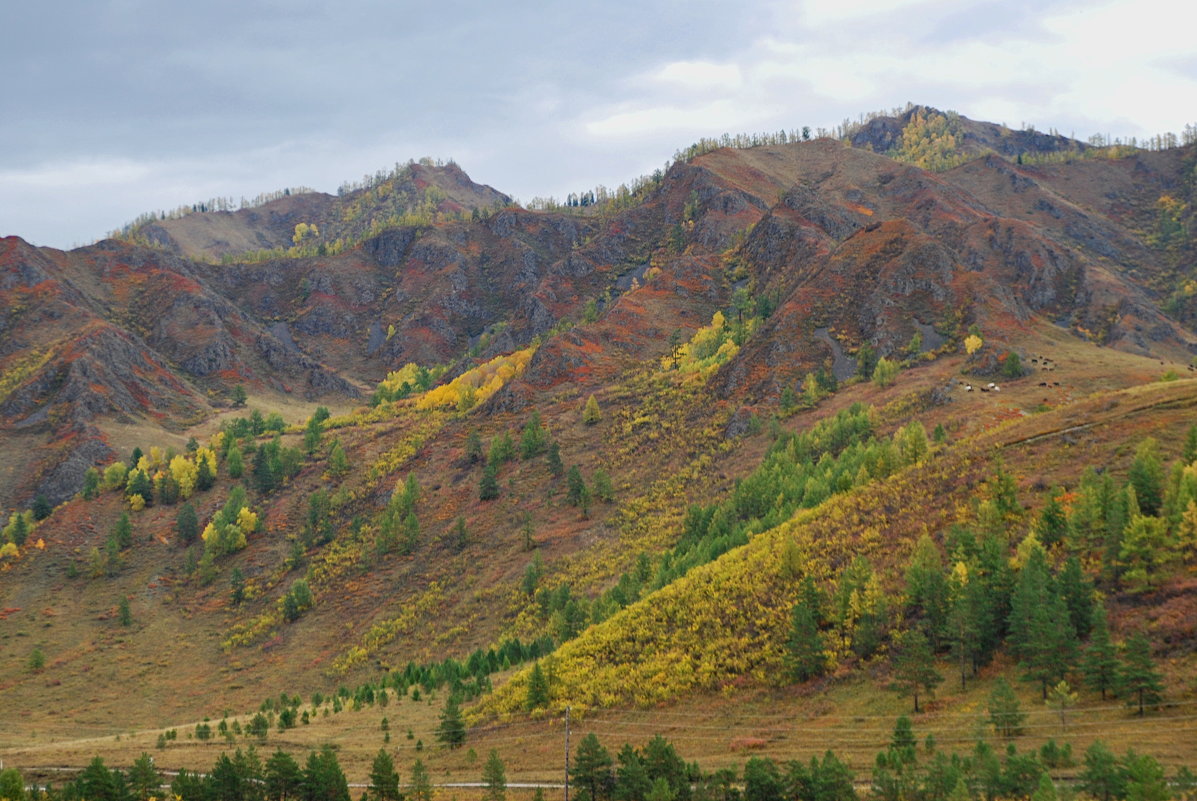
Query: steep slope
point(861, 250)
point(114, 333)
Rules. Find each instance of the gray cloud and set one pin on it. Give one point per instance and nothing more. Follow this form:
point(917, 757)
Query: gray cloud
point(124, 106)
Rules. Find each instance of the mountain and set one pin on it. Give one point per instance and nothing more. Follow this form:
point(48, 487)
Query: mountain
point(379, 201)
point(703, 356)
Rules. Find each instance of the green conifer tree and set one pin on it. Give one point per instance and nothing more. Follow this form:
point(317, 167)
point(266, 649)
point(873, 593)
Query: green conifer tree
point(1101, 666)
point(384, 779)
point(538, 689)
point(420, 788)
point(914, 666)
point(1102, 777)
point(494, 778)
point(556, 467)
point(1140, 681)
point(591, 769)
point(451, 730)
point(805, 655)
point(1005, 713)
point(488, 486)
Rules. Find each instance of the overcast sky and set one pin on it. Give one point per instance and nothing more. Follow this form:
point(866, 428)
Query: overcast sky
point(110, 108)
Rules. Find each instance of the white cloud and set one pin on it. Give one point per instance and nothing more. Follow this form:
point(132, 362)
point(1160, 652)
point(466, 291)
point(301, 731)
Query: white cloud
point(700, 75)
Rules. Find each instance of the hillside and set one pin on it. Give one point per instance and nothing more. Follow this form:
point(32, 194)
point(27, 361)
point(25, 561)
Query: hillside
point(624, 436)
point(406, 195)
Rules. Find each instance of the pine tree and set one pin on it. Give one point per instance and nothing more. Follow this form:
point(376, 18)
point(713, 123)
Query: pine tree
point(556, 467)
point(283, 776)
point(1146, 475)
point(502, 450)
point(96, 782)
point(538, 689)
point(577, 492)
point(312, 434)
point(494, 778)
point(41, 507)
point(1051, 647)
point(866, 361)
point(236, 586)
point(914, 666)
point(144, 778)
point(139, 483)
point(1032, 590)
point(1101, 666)
point(420, 788)
point(927, 589)
point(1189, 454)
point(805, 656)
point(1045, 791)
point(660, 791)
point(532, 441)
point(632, 782)
point(488, 486)
point(964, 626)
point(1140, 681)
point(1005, 715)
point(323, 778)
point(1102, 777)
point(1052, 526)
point(1145, 779)
point(473, 446)
point(384, 779)
point(591, 769)
point(122, 531)
point(1076, 591)
point(12, 785)
point(451, 730)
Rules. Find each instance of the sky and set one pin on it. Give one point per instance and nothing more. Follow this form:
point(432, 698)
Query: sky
point(112, 108)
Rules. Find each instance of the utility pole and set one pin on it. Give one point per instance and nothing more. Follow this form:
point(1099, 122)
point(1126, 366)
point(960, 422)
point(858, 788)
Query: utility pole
point(567, 753)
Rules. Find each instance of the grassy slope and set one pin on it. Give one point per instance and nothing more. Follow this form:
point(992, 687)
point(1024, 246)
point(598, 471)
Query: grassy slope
point(729, 716)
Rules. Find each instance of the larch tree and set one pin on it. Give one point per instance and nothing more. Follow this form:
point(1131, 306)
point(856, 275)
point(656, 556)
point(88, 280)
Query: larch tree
point(591, 413)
